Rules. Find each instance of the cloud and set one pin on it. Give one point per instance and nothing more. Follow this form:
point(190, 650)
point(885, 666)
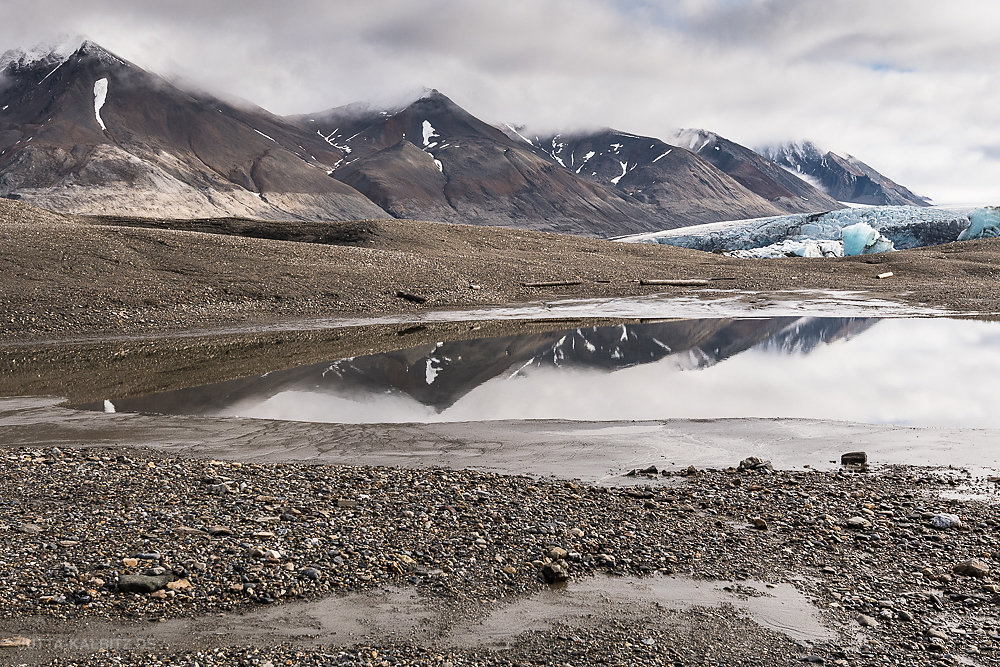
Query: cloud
point(906, 85)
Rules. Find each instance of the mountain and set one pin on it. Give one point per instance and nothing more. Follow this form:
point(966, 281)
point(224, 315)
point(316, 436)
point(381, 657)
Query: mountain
point(89, 132)
point(757, 173)
point(92, 133)
point(678, 184)
point(432, 159)
point(846, 179)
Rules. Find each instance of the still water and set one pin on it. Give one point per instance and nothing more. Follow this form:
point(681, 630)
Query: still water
point(921, 372)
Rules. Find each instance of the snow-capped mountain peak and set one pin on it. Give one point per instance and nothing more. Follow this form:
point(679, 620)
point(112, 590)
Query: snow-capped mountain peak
point(846, 179)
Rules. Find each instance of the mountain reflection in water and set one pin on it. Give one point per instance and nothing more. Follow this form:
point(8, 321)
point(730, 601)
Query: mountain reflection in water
point(906, 371)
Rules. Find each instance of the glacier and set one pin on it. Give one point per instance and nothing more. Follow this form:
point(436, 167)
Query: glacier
point(863, 239)
point(851, 231)
point(984, 223)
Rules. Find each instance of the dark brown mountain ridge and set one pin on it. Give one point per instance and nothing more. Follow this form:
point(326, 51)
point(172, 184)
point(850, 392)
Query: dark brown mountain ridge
point(92, 133)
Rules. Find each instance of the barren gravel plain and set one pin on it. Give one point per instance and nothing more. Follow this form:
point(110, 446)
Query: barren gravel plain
point(152, 539)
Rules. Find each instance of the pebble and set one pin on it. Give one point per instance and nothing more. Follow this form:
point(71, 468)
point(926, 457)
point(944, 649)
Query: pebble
point(755, 463)
point(557, 553)
point(140, 583)
point(28, 528)
point(972, 568)
point(854, 459)
point(945, 521)
point(858, 523)
point(555, 572)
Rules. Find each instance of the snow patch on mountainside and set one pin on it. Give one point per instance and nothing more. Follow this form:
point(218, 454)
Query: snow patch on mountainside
point(586, 159)
point(624, 171)
point(429, 133)
point(264, 135)
point(52, 71)
point(515, 131)
point(100, 97)
point(808, 178)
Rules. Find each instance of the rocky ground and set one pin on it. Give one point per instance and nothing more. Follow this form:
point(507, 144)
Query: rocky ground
point(902, 574)
point(71, 276)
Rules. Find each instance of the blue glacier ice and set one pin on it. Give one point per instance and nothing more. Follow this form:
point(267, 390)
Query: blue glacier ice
point(984, 223)
point(850, 231)
point(862, 239)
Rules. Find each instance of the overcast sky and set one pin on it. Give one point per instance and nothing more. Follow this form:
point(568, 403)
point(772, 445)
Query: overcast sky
point(909, 86)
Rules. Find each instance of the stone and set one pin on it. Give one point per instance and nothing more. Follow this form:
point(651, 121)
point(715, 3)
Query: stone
point(130, 562)
point(311, 573)
point(972, 568)
point(143, 584)
point(219, 531)
point(28, 528)
point(937, 646)
point(945, 521)
point(858, 523)
point(758, 523)
point(267, 519)
point(557, 553)
point(650, 470)
point(854, 459)
point(263, 535)
point(555, 572)
point(345, 503)
point(187, 531)
point(866, 621)
point(65, 571)
point(180, 585)
point(152, 555)
point(755, 463)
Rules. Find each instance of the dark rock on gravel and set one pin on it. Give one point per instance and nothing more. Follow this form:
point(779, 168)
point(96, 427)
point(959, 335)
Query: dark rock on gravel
point(854, 459)
point(755, 463)
point(139, 583)
point(555, 572)
point(972, 568)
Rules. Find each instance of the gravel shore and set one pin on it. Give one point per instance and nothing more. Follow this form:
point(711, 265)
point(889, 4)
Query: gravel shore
point(134, 536)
